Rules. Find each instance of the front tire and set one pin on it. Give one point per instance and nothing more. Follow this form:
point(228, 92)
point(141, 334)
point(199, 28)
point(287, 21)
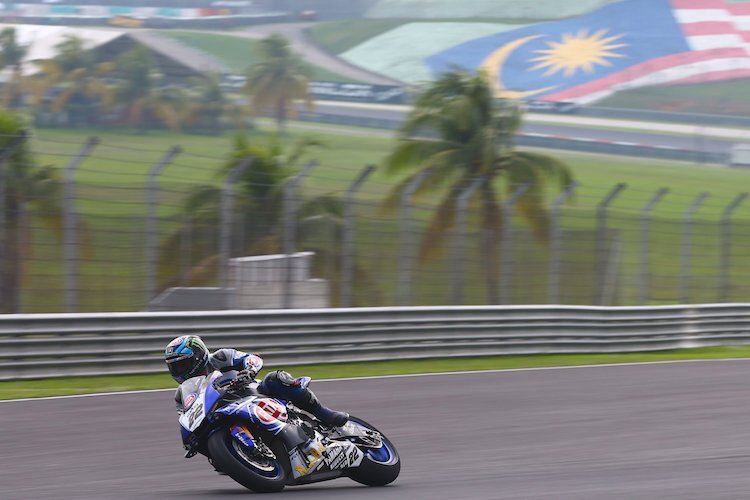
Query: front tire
point(261, 475)
point(380, 466)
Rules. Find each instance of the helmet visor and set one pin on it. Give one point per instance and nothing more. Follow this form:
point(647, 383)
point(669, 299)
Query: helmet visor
point(180, 368)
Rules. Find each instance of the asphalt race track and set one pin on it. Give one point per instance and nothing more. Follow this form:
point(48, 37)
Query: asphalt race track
point(662, 431)
point(695, 142)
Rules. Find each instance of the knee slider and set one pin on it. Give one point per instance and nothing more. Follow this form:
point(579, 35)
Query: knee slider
point(282, 384)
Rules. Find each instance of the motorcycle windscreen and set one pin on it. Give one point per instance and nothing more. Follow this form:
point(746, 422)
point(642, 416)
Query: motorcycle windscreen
point(190, 389)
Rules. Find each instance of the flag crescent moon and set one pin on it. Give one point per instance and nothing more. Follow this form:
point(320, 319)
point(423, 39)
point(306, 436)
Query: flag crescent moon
point(493, 66)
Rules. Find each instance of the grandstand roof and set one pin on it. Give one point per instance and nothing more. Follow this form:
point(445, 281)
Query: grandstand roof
point(175, 61)
point(42, 40)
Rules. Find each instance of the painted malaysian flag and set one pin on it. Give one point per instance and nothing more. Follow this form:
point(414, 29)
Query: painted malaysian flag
point(623, 45)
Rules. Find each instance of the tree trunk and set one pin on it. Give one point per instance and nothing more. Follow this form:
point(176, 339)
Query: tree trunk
point(281, 113)
point(490, 229)
point(10, 275)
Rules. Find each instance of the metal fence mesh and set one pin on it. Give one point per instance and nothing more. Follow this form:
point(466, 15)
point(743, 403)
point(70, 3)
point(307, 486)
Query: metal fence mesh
point(121, 232)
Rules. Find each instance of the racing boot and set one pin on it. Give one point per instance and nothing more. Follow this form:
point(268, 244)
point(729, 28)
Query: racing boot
point(282, 384)
point(310, 403)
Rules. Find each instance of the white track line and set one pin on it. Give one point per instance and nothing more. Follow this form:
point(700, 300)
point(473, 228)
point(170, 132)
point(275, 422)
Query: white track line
point(411, 375)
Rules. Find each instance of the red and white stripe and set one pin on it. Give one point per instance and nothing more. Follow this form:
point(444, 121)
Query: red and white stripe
point(711, 24)
point(718, 32)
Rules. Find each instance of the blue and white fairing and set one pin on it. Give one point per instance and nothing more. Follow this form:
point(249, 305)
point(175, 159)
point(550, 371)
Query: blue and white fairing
point(198, 398)
point(268, 413)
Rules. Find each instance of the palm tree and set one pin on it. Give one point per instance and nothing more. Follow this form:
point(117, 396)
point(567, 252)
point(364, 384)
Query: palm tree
point(144, 94)
point(25, 184)
point(79, 81)
point(11, 55)
point(459, 132)
point(259, 210)
point(209, 104)
point(278, 79)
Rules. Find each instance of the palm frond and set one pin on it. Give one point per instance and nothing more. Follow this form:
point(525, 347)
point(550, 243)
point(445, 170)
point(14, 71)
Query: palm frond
point(442, 221)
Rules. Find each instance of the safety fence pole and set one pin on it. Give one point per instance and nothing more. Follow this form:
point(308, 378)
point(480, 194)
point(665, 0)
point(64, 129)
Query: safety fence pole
point(686, 247)
point(225, 226)
point(602, 212)
point(644, 277)
point(460, 255)
point(71, 250)
point(8, 302)
point(725, 246)
point(555, 242)
point(405, 264)
point(151, 219)
point(507, 259)
point(289, 230)
point(347, 261)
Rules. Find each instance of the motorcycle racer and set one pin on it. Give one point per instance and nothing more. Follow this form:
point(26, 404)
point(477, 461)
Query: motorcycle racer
point(187, 356)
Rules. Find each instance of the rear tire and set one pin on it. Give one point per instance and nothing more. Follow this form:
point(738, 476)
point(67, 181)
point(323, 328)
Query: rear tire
point(379, 467)
point(260, 475)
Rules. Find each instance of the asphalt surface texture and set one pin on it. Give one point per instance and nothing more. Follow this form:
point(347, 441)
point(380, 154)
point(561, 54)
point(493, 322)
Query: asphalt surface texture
point(696, 142)
point(661, 431)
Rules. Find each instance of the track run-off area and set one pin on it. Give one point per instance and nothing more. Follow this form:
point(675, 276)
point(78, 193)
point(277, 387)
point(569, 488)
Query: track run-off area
point(677, 430)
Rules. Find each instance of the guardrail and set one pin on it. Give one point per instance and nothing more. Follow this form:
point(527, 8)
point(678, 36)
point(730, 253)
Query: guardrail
point(56, 345)
point(545, 141)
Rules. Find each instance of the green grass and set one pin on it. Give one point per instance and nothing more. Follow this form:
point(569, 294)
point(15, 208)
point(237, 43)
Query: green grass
point(730, 97)
point(237, 53)
point(84, 385)
point(111, 195)
point(339, 36)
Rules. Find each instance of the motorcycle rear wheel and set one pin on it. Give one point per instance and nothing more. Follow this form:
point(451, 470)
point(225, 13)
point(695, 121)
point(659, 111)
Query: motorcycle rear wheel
point(379, 466)
point(259, 474)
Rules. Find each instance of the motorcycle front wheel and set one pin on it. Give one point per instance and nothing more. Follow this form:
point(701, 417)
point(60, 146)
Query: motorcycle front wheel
point(380, 466)
point(253, 471)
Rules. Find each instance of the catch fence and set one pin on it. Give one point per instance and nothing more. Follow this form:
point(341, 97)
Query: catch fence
point(123, 227)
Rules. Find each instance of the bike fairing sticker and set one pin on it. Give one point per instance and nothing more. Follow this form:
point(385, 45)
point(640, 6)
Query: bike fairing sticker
point(189, 400)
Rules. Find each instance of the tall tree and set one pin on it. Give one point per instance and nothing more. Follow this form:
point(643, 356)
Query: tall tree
point(24, 184)
point(77, 82)
point(258, 205)
point(143, 93)
point(11, 55)
point(209, 104)
point(278, 79)
point(458, 132)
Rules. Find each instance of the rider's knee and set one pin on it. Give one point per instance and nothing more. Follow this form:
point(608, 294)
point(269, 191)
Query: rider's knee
point(281, 384)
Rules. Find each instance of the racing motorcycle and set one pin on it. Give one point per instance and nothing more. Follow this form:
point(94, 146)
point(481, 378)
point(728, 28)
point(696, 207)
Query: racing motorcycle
point(266, 444)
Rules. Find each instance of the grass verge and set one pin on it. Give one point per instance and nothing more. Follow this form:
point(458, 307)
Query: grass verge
point(87, 385)
point(238, 53)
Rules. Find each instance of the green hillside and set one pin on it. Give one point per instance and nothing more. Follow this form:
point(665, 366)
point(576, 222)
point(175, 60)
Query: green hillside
point(236, 52)
point(435, 9)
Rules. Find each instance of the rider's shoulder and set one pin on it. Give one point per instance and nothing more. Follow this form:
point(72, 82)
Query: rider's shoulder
point(223, 357)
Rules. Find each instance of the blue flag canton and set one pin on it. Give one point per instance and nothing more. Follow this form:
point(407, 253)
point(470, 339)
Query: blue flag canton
point(550, 57)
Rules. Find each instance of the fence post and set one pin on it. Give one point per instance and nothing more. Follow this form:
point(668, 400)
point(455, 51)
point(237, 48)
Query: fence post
point(555, 242)
point(462, 236)
point(70, 226)
point(644, 281)
point(406, 238)
point(602, 212)
point(186, 248)
point(506, 244)
point(151, 219)
point(290, 225)
point(347, 262)
point(725, 246)
point(8, 303)
point(225, 227)
point(686, 247)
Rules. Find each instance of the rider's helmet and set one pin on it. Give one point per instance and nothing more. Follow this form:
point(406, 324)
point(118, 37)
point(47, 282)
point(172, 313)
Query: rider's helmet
point(186, 356)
